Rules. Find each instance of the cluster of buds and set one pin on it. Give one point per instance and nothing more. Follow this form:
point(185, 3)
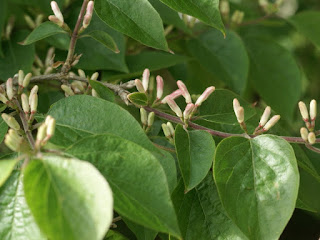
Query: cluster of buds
point(15, 141)
point(265, 123)
point(30, 104)
point(270, 7)
point(80, 87)
point(34, 23)
point(45, 132)
point(143, 86)
point(237, 18)
point(168, 131)
point(23, 80)
point(44, 67)
point(307, 134)
point(146, 120)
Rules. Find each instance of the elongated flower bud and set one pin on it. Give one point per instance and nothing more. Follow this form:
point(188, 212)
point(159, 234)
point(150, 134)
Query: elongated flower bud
point(20, 78)
point(95, 76)
point(143, 116)
point(166, 130)
point(3, 98)
point(94, 93)
point(265, 116)
point(185, 92)
point(304, 134)
point(51, 125)
point(311, 138)
point(159, 87)
point(313, 110)
point(139, 86)
point(14, 136)
point(9, 88)
point(271, 122)
point(240, 114)
point(55, 20)
point(188, 111)
point(173, 95)
point(151, 119)
point(145, 79)
point(25, 103)
point(10, 121)
point(304, 111)
point(204, 96)
point(78, 85)
point(33, 91)
point(174, 107)
point(171, 128)
point(13, 140)
point(81, 73)
point(56, 10)
point(29, 21)
point(237, 17)
point(87, 18)
point(34, 103)
point(26, 80)
point(42, 132)
point(68, 90)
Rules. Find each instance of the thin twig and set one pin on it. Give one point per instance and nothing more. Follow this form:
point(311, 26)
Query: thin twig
point(312, 148)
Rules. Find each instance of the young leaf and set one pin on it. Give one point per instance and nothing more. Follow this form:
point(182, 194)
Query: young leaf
point(279, 86)
point(103, 38)
point(17, 222)
point(138, 98)
point(195, 151)
point(60, 192)
point(44, 30)
point(135, 18)
point(205, 10)
point(226, 58)
point(138, 181)
point(258, 182)
point(104, 92)
point(307, 23)
point(201, 215)
point(6, 168)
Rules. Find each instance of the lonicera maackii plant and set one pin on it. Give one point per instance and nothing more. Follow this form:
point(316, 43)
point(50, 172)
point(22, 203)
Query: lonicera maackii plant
point(86, 156)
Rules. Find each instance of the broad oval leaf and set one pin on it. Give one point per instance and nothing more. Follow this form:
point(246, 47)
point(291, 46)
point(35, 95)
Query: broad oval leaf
point(135, 18)
point(270, 78)
point(201, 214)
point(103, 91)
point(138, 98)
point(6, 168)
point(137, 180)
point(17, 222)
point(103, 38)
point(205, 10)
point(226, 58)
point(68, 198)
point(44, 30)
point(81, 116)
point(195, 151)
point(258, 182)
point(307, 23)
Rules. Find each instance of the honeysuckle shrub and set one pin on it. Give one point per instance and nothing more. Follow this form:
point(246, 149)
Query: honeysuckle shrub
point(159, 119)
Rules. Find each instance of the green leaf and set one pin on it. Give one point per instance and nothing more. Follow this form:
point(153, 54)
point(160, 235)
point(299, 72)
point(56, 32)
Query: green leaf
point(140, 232)
point(275, 75)
point(103, 91)
point(258, 182)
point(6, 168)
point(195, 151)
point(138, 181)
point(17, 57)
point(135, 18)
point(97, 117)
point(3, 11)
point(3, 129)
point(103, 38)
point(201, 215)
point(226, 58)
point(138, 98)
point(113, 235)
point(44, 30)
point(68, 198)
point(307, 23)
point(205, 10)
point(151, 60)
point(17, 222)
point(218, 108)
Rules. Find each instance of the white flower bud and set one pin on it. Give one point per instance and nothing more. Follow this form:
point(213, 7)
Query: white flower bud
point(174, 107)
point(143, 116)
point(159, 87)
point(240, 115)
point(311, 138)
point(139, 86)
point(51, 125)
point(56, 10)
point(94, 93)
point(78, 85)
point(171, 128)
point(34, 90)
point(271, 122)
point(151, 119)
point(10, 121)
point(188, 111)
point(304, 111)
point(95, 76)
point(81, 73)
point(9, 88)
point(3, 98)
point(25, 103)
point(26, 80)
point(145, 79)
point(185, 92)
point(304, 133)
point(68, 90)
point(173, 95)
point(20, 78)
point(313, 110)
point(87, 18)
point(204, 96)
point(34, 103)
point(265, 116)
point(166, 130)
point(42, 132)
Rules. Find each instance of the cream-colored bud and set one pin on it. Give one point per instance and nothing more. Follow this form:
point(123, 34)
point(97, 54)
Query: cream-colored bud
point(313, 110)
point(240, 115)
point(224, 7)
point(26, 80)
point(174, 107)
point(139, 86)
point(94, 93)
point(29, 21)
point(14, 135)
point(145, 79)
point(34, 103)
point(81, 73)
point(56, 10)
point(95, 76)
point(10, 121)
point(304, 111)
point(188, 111)
point(159, 87)
point(171, 128)
point(204, 96)
point(166, 130)
point(42, 133)
point(20, 77)
point(51, 125)
point(87, 18)
point(11, 143)
point(143, 116)
point(34, 90)
point(265, 116)
point(271, 122)
point(304, 133)
point(25, 103)
point(185, 92)
point(3, 98)
point(78, 85)
point(9, 88)
point(311, 138)
point(68, 90)
point(151, 119)
point(237, 17)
